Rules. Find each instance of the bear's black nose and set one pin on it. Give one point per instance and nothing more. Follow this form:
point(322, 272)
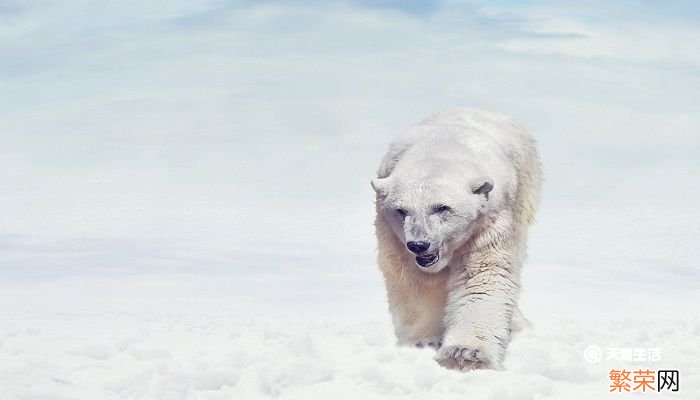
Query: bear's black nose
point(418, 247)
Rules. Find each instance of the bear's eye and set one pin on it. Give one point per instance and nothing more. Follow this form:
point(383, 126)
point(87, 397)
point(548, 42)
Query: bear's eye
point(441, 208)
point(401, 212)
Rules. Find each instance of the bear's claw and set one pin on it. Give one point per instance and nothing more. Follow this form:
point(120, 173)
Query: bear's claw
point(462, 358)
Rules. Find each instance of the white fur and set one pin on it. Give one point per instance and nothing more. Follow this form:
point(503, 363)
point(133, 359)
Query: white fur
point(467, 183)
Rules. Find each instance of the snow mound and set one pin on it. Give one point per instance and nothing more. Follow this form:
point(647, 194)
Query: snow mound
point(212, 358)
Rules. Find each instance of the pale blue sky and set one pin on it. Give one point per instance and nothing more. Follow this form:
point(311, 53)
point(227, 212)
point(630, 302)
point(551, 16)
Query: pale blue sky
point(147, 136)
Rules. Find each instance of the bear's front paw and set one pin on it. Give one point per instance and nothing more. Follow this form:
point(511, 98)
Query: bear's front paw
point(464, 358)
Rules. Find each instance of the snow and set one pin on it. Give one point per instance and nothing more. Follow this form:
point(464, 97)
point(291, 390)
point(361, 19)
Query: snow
point(290, 325)
point(120, 356)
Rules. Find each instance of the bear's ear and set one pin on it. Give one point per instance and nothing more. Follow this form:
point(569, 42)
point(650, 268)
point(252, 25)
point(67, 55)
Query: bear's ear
point(380, 185)
point(482, 185)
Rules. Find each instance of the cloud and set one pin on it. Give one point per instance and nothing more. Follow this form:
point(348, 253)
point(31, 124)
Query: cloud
point(621, 34)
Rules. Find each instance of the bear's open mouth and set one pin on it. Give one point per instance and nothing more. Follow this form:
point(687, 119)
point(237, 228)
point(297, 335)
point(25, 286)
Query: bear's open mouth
point(426, 260)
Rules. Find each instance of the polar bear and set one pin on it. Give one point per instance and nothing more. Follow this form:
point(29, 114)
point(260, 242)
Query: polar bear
point(455, 195)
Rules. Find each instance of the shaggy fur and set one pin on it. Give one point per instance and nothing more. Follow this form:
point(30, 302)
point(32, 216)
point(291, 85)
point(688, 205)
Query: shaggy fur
point(467, 182)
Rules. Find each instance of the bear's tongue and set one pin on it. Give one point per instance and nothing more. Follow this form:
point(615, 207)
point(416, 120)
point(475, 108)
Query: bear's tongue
point(427, 260)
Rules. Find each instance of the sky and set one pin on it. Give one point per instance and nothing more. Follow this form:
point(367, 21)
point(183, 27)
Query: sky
point(232, 143)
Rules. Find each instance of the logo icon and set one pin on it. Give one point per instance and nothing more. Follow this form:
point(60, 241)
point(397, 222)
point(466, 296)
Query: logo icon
point(593, 354)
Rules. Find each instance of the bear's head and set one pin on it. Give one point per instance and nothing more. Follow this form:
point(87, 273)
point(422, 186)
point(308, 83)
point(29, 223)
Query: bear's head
point(432, 217)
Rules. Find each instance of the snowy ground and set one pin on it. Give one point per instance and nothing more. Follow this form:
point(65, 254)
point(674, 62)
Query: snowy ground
point(193, 357)
point(294, 327)
point(308, 334)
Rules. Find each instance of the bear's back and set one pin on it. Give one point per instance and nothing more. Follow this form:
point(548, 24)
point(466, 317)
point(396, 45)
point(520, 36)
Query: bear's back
point(493, 140)
point(475, 142)
point(473, 137)
point(474, 128)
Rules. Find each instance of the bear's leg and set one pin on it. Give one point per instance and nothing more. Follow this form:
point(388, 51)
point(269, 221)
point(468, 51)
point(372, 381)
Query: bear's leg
point(481, 303)
point(416, 299)
point(417, 310)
